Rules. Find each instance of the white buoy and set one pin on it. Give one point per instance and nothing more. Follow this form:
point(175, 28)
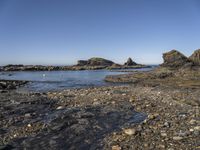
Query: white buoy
point(44, 75)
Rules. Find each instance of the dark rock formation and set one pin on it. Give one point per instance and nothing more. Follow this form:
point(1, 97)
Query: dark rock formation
point(130, 62)
point(82, 62)
point(195, 57)
point(174, 59)
point(99, 62)
point(95, 62)
point(9, 85)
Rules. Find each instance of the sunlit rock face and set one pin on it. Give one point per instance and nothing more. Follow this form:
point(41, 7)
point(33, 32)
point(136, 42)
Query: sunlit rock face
point(195, 57)
point(174, 58)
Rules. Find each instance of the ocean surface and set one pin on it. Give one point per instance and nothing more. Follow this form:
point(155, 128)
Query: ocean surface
point(42, 81)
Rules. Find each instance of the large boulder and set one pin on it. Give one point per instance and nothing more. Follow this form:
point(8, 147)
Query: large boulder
point(174, 59)
point(195, 57)
point(130, 62)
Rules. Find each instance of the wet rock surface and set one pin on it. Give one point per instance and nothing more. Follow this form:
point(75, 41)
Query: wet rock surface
point(76, 119)
point(10, 85)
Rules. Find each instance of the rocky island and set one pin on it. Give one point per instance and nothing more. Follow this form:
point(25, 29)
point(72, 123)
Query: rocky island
point(158, 109)
point(94, 63)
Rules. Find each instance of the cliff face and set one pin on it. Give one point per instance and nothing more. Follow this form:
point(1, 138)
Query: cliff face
point(174, 58)
point(95, 62)
point(195, 57)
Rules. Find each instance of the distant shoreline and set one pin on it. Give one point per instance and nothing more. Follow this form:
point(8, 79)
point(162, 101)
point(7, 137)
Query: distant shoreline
point(66, 68)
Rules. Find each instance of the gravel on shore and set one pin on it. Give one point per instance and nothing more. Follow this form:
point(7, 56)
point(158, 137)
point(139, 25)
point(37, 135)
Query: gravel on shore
point(116, 117)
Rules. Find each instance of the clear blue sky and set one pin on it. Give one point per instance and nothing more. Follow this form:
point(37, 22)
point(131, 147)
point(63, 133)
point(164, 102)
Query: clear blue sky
point(62, 31)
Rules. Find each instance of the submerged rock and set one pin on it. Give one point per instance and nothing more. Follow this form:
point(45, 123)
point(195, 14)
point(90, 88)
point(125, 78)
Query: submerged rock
point(174, 59)
point(195, 57)
point(130, 62)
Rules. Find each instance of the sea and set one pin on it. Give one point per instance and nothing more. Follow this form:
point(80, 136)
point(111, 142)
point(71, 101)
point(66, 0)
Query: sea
point(43, 81)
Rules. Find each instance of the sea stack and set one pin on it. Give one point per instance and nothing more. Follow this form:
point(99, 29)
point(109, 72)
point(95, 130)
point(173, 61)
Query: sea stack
point(195, 57)
point(130, 62)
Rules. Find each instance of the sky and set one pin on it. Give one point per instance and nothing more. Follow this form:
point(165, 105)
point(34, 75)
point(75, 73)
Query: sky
point(59, 32)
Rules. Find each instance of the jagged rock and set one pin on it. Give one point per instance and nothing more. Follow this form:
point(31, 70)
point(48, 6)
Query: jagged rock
point(130, 62)
point(174, 59)
point(195, 57)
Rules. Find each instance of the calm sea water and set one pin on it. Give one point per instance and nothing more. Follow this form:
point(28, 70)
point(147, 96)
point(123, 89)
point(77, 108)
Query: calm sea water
point(58, 80)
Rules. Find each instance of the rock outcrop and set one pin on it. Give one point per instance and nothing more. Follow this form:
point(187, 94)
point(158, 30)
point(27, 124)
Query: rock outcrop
point(130, 62)
point(95, 61)
point(11, 84)
point(82, 62)
point(195, 57)
point(174, 59)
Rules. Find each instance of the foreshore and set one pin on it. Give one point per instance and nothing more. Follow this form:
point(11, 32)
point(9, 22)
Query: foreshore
point(153, 113)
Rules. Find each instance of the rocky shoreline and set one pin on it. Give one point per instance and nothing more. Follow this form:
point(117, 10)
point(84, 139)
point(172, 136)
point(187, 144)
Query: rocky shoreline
point(159, 109)
point(119, 117)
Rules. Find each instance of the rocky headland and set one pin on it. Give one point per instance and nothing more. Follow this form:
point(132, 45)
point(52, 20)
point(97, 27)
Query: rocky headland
point(158, 109)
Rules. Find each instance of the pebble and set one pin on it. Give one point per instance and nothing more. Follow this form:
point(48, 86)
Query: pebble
point(167, 124)
point(161, 146)
point(116, 147)
point(130, 131)
point(177, 138)
point(96, 103)
point(28, 115)
point(163, 134)
point(113, 102)
point(60, 107)
point(153, 116)
point(197, 128)
point(191, 130)
point(192, 122)
point(29, 125)
point(182, 133)
point(196, 133)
